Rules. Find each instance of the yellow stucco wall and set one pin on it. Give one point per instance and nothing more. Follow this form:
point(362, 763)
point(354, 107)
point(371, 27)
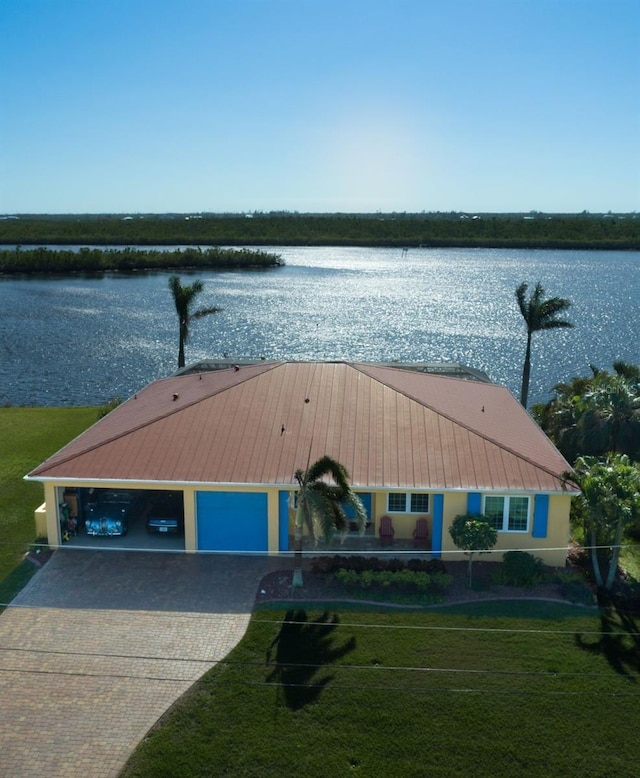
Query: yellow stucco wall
point(40, 518)
point(190, 539)
point(552, 549)
point(53, 525)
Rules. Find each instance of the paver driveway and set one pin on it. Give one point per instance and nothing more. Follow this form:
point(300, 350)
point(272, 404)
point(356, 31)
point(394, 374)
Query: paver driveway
point(99, 644)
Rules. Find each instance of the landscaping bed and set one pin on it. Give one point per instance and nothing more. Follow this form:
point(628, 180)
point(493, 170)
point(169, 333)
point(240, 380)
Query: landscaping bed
point(322, 586)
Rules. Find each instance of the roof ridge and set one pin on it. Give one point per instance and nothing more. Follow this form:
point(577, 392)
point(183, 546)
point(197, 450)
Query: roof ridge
point(148, 422)
point(469, 428)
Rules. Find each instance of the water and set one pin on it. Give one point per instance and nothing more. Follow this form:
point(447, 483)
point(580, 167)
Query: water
point(82, 340)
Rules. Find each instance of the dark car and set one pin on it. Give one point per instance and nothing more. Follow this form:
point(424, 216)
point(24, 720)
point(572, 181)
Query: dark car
point(166, 513)
point(110, 513)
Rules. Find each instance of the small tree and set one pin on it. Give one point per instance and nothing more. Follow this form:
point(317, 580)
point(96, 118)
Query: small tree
point(473, 534)
point(610, 494)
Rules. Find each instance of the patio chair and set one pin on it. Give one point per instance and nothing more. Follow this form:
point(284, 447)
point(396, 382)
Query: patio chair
point(386, 531)
point(421, 534)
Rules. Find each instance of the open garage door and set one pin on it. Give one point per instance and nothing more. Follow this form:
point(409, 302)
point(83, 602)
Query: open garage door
point(232, 521)
point(149, 519)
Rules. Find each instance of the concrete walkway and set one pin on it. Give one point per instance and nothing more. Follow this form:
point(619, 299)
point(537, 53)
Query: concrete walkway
point(100, 644)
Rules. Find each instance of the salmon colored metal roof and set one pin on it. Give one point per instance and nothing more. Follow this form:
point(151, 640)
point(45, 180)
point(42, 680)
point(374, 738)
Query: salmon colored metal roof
point(390, 427)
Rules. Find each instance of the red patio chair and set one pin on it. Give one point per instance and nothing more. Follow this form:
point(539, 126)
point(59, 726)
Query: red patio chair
point(386, 531)
point(421, 534)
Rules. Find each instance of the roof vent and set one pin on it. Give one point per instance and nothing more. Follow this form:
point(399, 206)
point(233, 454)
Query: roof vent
point(175, 396)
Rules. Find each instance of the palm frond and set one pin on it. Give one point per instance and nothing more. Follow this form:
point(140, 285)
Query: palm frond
point(322, 499)
point(205, 312)
point(327, 466)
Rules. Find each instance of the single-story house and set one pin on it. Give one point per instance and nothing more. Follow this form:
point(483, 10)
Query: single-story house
point(228, 442)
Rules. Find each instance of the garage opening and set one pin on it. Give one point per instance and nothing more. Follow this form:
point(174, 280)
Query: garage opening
point(150, 519)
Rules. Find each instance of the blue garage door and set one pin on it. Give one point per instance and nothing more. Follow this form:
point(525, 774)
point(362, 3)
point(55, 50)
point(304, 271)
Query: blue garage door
point(232, 521)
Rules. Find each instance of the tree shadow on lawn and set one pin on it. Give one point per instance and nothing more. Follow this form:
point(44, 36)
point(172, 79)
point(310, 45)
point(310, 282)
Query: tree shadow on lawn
point(302, 649)
point(619, 641)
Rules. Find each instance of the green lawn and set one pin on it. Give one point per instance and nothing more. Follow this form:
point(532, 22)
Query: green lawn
point(455, 692)
point(630, 558)
point(27, 437)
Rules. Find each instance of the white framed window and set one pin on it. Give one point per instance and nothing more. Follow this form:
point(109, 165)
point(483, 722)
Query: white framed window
point(507, 513)
point(407, 502)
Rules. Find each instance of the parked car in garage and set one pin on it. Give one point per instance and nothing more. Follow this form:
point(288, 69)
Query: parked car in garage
point(111, 513)
point(166, 513)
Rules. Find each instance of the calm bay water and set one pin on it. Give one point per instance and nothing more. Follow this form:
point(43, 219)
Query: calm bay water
point(81, 340)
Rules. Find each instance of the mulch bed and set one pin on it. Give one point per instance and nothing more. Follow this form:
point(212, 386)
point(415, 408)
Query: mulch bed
point(276, 587)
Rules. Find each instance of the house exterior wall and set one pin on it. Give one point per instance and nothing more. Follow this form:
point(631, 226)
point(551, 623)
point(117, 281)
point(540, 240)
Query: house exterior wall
point(40, 518)
point(190, 540)
point(53, 523)
point(546, 539)
point(551, 546)
point(551, 549)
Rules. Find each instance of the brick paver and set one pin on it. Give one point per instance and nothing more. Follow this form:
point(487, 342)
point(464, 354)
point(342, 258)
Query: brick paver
point(86, 672)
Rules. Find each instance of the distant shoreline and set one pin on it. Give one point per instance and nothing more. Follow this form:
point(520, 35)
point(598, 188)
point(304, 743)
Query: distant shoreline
point(42, 260)
point(396, 230)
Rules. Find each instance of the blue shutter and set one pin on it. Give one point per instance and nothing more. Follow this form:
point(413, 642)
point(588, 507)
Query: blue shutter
point(540, 515)
point(436, 529)
point(365, 499)
point(474, 502)
point(283, 521)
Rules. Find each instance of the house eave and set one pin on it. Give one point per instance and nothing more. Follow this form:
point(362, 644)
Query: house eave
point(70, 480)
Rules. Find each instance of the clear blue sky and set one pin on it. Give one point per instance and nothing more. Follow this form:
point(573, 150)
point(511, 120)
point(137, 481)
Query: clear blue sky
point(319, 105)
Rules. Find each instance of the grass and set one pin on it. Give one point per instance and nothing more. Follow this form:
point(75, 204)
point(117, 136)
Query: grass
point(28, 436)
point(630, 558)
point(446, 693)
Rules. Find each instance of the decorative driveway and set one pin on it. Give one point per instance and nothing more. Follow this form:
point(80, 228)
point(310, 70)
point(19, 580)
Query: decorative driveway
point(100, 644)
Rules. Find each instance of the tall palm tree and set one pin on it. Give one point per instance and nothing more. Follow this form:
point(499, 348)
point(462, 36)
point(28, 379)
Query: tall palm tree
point(538, 314)
point(183, 297)
point(324, 494)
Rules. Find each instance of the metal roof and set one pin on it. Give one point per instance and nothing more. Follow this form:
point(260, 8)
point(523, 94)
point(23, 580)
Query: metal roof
point(256, 424)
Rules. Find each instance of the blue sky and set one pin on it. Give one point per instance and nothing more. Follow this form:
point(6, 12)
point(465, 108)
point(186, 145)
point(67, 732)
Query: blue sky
point(319, 105)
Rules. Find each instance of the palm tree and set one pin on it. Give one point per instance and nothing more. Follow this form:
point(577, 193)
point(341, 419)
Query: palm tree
point(183, 297)
point(323, 495)
point(610, 418)
point(538, 314)
point(596, 415)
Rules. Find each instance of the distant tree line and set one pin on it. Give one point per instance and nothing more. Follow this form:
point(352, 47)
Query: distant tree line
point(92, 260)
point(537, 230)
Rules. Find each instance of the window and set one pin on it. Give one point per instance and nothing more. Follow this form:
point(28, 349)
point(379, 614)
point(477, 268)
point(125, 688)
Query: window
point(407, 502)
point(507, 514)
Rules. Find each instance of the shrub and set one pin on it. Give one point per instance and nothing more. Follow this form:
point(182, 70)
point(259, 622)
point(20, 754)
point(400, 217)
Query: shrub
point(519, 568)
point(401, 580)
point(440, 581)
point(427, 565)
point(322, 565)
point(330, 565)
